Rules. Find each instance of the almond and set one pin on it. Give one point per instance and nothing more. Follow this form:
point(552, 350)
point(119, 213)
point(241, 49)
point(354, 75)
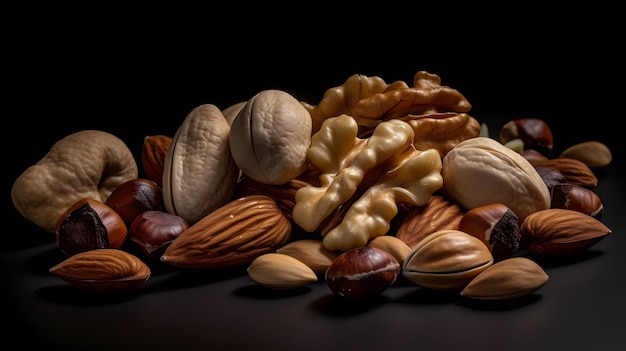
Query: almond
point(279, 271)
point(559, 231)
point(234, 234)
point(311, 252)
point(574, 171)
point(153, 153)
point(103, 270)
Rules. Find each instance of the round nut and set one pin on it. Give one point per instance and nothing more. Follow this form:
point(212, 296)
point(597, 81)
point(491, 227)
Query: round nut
point(270, 136)
point(534, 133)
point(362, 272)
point(134, 197)
point(152, 231)
point(577, 198)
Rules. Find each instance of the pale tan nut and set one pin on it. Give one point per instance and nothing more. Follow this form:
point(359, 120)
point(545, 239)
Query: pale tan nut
point(481, 171)
point(341, 99)
point(574, 171)
point(84, 164)
point(447, 260)
point(511, 278)
point(377, 172)
point(103, 270)
point(442, 131)
point(234, 234)
point(437, 214)
point(280, 272)
point(199, 171)
point(232, 111)
point(311, 252)
point(270, 136)
point(396, 247)
point(426, 96)
point(559, 232)
point(153, 151)
point(594, 154)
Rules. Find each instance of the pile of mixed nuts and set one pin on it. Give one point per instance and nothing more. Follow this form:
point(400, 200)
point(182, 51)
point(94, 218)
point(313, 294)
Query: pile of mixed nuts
point(375, 182)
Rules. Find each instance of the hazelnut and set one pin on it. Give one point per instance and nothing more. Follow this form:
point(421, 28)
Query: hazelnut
point(362, 272)
point(534, 132)
point(550, 175)
point(135, 196)
point(90, 224)
point(578, 198)
point(496, 225)
point(152, 231)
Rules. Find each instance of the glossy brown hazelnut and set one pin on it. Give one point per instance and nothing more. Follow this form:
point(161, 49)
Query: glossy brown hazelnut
point(534, 132)
point(362, 272)
point(89, 224)
point(134, 197)
point(153, 231)
point(577, 198)
point(496, 225)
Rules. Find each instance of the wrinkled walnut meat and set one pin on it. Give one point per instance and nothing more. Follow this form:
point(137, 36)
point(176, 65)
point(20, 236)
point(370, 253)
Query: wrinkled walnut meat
point(370, 175)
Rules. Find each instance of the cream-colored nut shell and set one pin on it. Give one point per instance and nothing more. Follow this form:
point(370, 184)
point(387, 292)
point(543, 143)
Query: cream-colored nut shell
point(507, 279)
point(396, 247)
point(592, 153)
point(85, 164)
point(446, 260)
point(199, 172)
point(280, 271)
point(270, 136)
point(311, 252)
point(481, 171)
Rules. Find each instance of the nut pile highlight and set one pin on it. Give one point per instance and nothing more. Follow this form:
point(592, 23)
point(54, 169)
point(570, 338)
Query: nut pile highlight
point(375, 183)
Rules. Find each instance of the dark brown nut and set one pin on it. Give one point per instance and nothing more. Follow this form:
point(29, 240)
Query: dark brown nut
point(533, 155)
point(362, 272)
point(447, 260)
point(534, 132)
point(153, 153)
point(439, 213)
point(134, 197)
point(103, 271)
point(497, 226)
point(558, 232)
point(577, 198)
point(152, 231)
point(87, 225)
point(550, 176)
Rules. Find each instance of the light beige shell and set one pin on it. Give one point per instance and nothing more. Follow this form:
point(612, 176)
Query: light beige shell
point(270, 136)
point(279, 271)
point(199, 172)
point(481, 171)
point(592, 153)
point(311, 252)
point(85, 164)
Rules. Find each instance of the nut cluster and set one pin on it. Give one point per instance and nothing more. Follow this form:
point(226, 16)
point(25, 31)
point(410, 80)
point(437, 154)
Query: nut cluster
point(380, 182)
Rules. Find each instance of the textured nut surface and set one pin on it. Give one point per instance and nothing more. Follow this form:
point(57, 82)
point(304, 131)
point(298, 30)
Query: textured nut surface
point(234, 234)
point(200, 173)
point(153, 151)
point(592, 153)
point(270, 136)
point(88, 163)
point(103, 270)
point(279, 271)
point(481, 171)
point(311, 252)
point(507, 279)
point(574, 171)
point(447, 260)
point(437, 214)
point(558, 231)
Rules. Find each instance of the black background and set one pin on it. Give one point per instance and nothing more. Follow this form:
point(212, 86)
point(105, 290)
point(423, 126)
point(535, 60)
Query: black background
point(139, 72)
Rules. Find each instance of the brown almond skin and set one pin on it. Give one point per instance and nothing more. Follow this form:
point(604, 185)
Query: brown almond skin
point(558, 232)
point(153, 153)
point(574, 171)
point(234, 234)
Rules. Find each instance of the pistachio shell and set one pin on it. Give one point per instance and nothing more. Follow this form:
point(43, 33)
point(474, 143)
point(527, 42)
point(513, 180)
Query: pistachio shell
point(447, 260)
point(507, 279)
point(280, 271)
